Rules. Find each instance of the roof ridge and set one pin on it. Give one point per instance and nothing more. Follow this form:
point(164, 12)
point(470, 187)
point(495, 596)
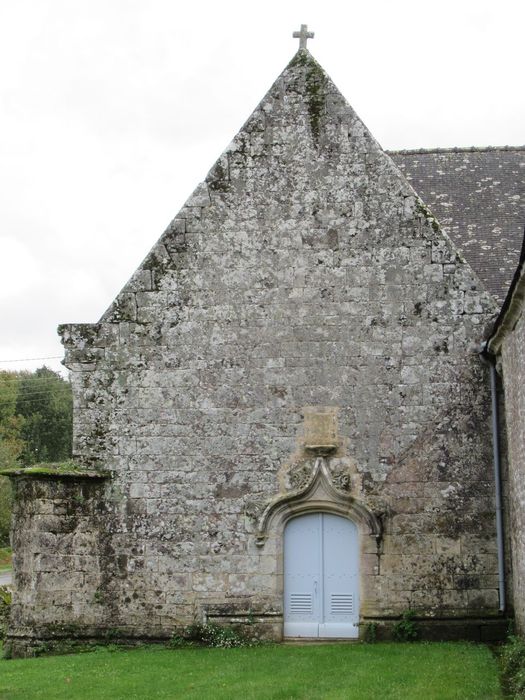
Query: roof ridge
point(456, 149)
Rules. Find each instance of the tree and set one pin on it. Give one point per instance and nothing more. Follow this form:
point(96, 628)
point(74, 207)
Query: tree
point(44, 401)
point(11, 445)
point(6, 498)
point(10, 423)
point(35, 426)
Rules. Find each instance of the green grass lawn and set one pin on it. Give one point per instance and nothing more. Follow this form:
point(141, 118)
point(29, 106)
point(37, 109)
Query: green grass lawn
point(439, 671)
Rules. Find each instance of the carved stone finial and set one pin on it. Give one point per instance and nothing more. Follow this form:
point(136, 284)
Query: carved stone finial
point(303, 35)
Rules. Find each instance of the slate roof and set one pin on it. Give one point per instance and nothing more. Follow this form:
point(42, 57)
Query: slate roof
point(478, 196)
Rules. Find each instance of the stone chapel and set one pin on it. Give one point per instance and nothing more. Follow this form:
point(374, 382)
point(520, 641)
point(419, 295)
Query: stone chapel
point(283, 421)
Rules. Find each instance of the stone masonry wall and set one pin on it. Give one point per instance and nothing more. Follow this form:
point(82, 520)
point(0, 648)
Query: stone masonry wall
point(303, 275)
point(513, 363)
point(60, 560)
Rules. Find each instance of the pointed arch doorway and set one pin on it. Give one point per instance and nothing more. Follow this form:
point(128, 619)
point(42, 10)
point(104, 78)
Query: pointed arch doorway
point(321, 577)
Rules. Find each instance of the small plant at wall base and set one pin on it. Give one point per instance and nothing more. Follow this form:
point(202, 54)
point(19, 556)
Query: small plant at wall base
point(211, 635)
point(512, 658)
point(406, 629)
point(5, 603)
point(370, 633)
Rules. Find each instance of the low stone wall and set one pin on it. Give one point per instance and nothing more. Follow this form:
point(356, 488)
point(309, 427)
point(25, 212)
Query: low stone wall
point(446, 629)
point(58, 543)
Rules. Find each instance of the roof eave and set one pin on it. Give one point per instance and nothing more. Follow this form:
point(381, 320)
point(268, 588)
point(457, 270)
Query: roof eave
point(511, 310)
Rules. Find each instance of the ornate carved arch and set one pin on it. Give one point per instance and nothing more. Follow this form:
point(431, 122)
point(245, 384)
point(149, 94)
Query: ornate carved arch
point(319, 494)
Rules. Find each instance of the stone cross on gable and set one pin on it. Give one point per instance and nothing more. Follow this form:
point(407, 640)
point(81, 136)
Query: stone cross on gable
point(303, 36)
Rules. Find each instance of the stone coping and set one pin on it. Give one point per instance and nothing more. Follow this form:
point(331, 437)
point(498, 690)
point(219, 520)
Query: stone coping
point(66, 470)
point(454, 149)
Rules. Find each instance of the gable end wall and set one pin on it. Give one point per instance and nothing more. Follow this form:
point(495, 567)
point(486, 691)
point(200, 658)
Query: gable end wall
point(304, 276)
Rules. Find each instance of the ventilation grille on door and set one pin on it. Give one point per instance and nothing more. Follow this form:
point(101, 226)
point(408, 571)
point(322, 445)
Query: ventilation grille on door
point(341, 603)
point(301, 604)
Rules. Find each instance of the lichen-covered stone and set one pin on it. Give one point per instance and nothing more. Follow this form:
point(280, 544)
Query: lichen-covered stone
point(303, 278)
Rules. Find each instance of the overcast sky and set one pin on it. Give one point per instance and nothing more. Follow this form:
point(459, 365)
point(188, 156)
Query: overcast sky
point(112, 111)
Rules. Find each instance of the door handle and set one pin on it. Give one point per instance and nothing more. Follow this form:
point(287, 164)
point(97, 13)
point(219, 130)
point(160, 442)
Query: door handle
point(315, 588)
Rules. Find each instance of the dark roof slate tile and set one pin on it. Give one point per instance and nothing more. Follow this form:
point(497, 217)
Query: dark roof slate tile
point(478, 196)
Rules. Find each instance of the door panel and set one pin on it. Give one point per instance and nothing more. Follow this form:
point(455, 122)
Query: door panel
point(340, 576)
point(321, 577)
point(302, 566)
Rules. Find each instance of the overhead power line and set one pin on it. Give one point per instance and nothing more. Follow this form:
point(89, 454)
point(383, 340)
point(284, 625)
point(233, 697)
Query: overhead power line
point(28, 379)
point(32, 359)
point(28, 396)
point(37, 392)
point(49, 390)
point(36, 400)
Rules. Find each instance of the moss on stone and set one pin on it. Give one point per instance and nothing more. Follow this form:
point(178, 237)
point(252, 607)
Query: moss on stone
point(315, 84)
point(316, 92)
point(425, 212)
point(57, 469)
point(300, 59)
point(218, 180)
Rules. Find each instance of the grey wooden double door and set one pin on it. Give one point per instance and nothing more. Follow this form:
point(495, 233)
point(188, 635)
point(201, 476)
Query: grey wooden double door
point(321, 577)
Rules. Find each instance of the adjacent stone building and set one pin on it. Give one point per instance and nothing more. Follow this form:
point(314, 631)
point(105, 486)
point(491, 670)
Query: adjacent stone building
point(282, 420)
point(505, 347)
